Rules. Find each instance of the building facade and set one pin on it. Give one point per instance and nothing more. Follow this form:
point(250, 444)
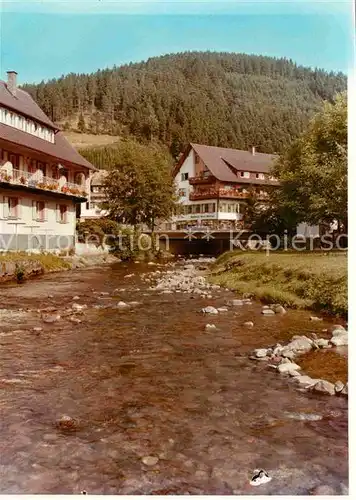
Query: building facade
point(214, 183)
point(43, 179)
point(91, 209)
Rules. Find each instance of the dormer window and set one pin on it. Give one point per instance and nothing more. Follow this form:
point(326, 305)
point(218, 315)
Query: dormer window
point(260, 176)
point(29, 126)
point(246, 175)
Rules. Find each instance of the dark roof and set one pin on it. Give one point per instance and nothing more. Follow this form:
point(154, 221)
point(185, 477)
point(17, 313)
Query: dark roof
point(24, 104)
point(224, 162)
point(61, 149)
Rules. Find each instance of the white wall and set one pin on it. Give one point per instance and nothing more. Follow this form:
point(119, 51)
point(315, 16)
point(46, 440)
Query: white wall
point(22, 224)
point(307, 231)
point(188, 167)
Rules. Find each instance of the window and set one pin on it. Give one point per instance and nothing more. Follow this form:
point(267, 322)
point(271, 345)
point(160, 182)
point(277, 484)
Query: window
point(39, 211)
point(11, 208)
point(14, 160)
point(260, 176)
point(62, 214)
point(245, 174)
point(206, 207)
point(184, 176)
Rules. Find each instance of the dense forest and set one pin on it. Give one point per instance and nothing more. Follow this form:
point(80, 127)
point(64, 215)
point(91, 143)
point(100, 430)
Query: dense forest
point(226, 99)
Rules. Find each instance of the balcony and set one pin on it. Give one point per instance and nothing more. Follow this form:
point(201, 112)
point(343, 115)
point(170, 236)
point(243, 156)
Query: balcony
point(202, 179)
point(223, 193)
point(38, 181)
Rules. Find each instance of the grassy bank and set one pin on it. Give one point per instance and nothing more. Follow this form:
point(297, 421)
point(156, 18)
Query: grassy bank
point(14, 263)
point(312, 280)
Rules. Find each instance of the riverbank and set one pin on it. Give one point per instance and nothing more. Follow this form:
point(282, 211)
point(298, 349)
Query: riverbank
point(18, 266)
point(301, 280)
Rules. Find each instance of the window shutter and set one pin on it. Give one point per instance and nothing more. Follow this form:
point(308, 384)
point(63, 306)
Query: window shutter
point(34, 210)
point(58, 215)
point(19, 208)
point(6, 207)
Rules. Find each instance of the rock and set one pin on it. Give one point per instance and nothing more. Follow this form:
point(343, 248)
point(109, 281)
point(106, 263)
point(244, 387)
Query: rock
point(222, 309)
point(323, 343)
point(266, 307)
point(129, 275)
point(322, 490)
point(134, 303)
point(248, 324)
point(122, 305)
point(293, 373)
point(315, 318)
point(103, 293)
point(261, 353)
point(73, 319)
point(299, 344)
point(288, 367)
point(311, 417)
point(268, 312)
point(339, 332)
point(67, 423)
point(287, 353)
point(51, 318)
point(166, 291)
point(150, 461)
point(324, 387)
point(210, 328)
point(345, 390)
point(305, 381)
point(280, 310)
point(338, 386)
point(79, 307)
point(235, 302)
point(340, 340)
point(37, 329)
point(189, 266)
point(209, 310)
point(76, 297)
point(151, 264)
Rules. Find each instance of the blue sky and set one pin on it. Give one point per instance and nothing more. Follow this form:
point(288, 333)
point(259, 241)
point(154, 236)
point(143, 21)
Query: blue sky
point(48, 38)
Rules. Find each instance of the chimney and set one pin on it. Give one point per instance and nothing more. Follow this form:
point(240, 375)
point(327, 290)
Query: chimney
point(12, 82)
point(253, 150)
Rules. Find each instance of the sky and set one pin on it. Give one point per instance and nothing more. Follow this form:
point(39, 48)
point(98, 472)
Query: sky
point(44, 39)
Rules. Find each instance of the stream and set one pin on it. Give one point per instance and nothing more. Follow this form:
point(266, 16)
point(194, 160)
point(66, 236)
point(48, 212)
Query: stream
point(160, 405)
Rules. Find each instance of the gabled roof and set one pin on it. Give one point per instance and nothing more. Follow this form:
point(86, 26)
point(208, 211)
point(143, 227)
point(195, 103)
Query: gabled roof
point(224, 163)
point(24, 104)
point(61, 149)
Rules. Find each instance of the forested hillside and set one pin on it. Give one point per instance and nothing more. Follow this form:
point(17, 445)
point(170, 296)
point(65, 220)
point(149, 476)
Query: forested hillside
point(231, 100)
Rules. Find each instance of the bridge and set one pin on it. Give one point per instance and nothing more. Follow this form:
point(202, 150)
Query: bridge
point(199, 240)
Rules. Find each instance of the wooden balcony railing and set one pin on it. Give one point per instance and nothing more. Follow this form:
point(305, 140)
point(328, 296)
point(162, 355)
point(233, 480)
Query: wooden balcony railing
point(39, 181)
point(223, 193)
point(202, 179)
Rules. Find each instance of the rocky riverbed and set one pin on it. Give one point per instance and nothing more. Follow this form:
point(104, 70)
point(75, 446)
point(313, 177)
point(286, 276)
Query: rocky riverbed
point(137, 379)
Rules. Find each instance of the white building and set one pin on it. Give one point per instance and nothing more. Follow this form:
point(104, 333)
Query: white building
point(92, 209)
point(43, 179)
point(214, 183)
